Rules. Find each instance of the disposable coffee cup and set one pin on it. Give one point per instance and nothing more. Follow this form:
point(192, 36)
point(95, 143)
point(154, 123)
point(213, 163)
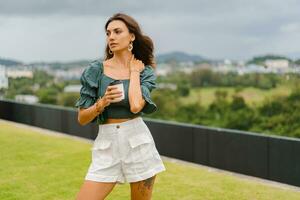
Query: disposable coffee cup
point(120, 87)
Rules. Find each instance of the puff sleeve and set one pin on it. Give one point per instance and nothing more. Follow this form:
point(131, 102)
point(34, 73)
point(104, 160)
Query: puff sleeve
point(148, 83)
point(88, 90)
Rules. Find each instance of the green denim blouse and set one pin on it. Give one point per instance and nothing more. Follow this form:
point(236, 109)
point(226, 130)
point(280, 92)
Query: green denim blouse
point(91, 79)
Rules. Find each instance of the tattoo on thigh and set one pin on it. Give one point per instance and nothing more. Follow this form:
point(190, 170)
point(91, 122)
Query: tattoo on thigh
point(146, 184)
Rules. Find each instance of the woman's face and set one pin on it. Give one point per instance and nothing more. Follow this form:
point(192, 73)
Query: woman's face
point(118, 33)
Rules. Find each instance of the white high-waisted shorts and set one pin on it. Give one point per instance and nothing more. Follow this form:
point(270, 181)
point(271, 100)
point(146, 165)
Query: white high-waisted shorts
point(124, 152)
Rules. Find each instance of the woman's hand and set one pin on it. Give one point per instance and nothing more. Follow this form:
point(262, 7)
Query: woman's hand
point(135, 64)
point(111, 93)
point(88, 114)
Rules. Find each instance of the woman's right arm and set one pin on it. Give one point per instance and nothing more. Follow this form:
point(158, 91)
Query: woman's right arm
point(86, 115)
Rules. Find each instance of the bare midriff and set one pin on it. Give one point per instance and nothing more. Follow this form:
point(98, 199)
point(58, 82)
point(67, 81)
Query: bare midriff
point(111, 120)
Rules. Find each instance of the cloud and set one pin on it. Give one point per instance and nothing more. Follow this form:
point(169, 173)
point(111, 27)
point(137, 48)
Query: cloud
point(68, 7)
point(64, 30)
point(292, 27)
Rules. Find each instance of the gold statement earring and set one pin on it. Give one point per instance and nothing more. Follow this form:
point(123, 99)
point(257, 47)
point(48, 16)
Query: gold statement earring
point(110, 52)
point(130, 46)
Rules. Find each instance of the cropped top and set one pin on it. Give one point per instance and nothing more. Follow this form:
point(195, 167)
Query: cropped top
point(119, 109)
point(94, 83)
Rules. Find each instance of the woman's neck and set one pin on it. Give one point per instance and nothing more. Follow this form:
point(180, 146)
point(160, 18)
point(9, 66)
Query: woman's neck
point(122, 58)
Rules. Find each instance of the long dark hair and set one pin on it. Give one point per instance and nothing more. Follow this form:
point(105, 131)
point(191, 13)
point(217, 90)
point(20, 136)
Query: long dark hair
point(142, 45)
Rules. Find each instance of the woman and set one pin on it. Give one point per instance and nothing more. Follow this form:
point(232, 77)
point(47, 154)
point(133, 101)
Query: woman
point(124, 149)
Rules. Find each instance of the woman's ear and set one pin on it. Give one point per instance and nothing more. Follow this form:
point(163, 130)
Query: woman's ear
point(132, 37)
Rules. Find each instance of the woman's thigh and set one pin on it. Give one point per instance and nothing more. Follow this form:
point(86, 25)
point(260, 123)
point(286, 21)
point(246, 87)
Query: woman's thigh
point(91, 190)
point(142, 190)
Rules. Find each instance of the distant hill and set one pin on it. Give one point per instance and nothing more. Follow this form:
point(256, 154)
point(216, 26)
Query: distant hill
point(9, 62)
point(62, 65)
point(175, 56)
point(259, 60)
point(178, 56)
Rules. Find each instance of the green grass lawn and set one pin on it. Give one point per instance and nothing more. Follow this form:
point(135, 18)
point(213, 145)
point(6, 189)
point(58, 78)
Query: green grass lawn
point(37, 166)
point(253, 96)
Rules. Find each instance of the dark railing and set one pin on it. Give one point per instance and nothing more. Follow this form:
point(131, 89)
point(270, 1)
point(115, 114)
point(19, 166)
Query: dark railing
point(270, 157)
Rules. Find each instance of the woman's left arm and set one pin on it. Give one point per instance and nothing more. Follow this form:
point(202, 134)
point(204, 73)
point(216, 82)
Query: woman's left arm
point(136, 100)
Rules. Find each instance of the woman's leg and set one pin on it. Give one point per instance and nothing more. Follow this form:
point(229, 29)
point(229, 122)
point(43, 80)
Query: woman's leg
point(142, 190)
point(91, 190)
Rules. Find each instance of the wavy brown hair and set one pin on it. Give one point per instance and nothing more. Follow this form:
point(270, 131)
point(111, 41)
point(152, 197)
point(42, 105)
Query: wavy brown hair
point(142, 45)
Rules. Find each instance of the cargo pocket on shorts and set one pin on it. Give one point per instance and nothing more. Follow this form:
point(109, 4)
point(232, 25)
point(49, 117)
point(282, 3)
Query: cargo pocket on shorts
point(102, 152)
point(141, 148)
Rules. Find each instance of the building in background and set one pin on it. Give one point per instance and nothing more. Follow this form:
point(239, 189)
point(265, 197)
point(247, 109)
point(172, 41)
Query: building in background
point(26, 98)
point(72, 88)
point(19, 72)
point(3, 77)
point(278, 65)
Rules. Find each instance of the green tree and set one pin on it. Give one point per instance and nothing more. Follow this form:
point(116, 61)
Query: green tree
point(242, 119)
point(183, 88)
point(67, 99)
point(191, 113)
point(238, 103)
point(47, 95)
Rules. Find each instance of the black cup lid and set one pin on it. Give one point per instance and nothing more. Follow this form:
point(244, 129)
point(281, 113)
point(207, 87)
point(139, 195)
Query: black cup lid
point(115, 82)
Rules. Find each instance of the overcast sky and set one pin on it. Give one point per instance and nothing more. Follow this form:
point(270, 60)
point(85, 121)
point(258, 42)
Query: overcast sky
point(65, 30)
